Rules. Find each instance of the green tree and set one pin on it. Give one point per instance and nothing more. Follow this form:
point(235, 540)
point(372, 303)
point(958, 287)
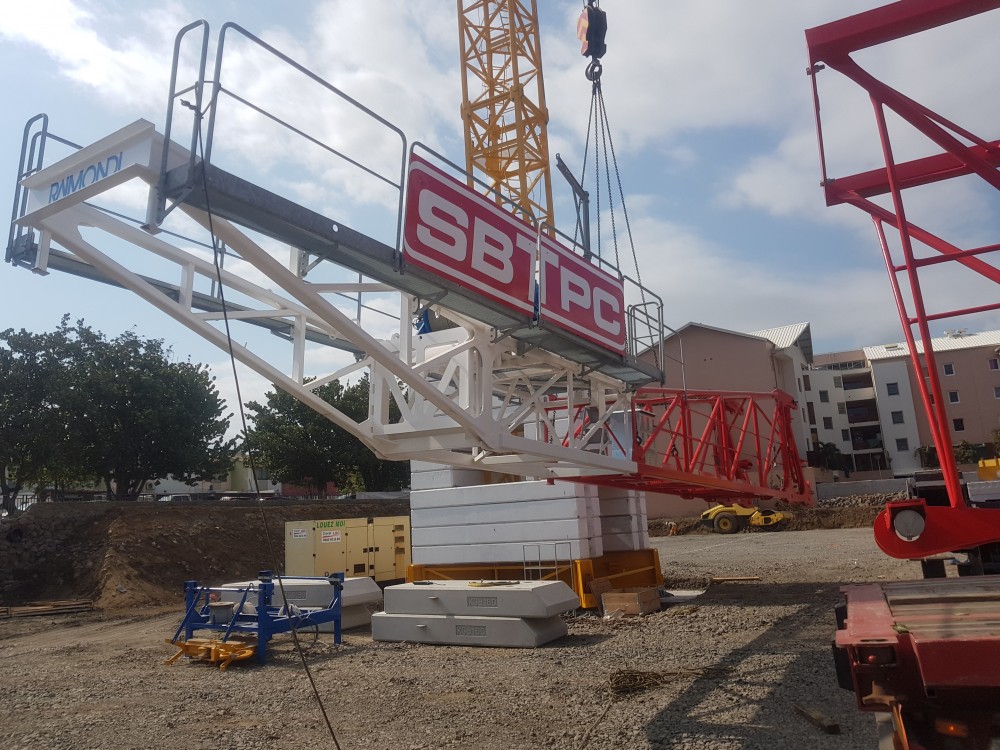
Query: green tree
point(829, 456)
point(78, 408)
point(139, 416)
point(37, 372)
point(928, 456)
point(297, 444)
point(965, 453)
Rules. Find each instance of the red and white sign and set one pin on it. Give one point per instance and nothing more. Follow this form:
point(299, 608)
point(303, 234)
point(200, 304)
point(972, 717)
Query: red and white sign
point(581, 298)
point(459, 235)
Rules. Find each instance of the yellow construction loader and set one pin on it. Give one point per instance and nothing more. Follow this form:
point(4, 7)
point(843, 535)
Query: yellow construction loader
point(728, 519)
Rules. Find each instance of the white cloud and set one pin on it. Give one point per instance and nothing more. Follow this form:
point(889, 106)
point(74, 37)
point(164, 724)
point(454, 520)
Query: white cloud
point(716, 89)
point(703, 282)
point(130, 70)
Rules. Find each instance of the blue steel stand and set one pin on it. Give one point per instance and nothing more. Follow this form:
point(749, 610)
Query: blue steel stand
point(268, 620)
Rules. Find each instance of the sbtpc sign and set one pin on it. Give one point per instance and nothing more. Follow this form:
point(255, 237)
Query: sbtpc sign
point(459, 235)
point(581, 298)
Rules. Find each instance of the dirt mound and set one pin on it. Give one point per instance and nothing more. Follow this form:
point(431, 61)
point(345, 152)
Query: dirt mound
point(138, 554)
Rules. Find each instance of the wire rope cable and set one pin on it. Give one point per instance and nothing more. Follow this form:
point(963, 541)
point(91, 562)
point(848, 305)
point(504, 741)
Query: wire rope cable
point(216, 253)
point(599, 130)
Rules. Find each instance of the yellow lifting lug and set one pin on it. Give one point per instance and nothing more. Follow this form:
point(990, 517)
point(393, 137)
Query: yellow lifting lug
point(213, 651)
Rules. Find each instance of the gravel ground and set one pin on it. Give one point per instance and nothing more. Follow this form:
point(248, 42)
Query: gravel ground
point(729, 665)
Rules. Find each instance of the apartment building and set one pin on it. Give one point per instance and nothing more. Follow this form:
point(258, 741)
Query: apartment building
point(843, 410)
point(867, 401)
point(702, 357)
point(863, 401)
point(968, 366)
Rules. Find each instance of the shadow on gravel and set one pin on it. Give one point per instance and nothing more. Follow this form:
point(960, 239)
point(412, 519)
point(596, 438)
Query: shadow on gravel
point(750, 705)
point(577, 640)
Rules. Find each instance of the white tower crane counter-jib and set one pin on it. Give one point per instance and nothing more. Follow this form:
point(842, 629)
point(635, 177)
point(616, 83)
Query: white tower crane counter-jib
point(532, 357)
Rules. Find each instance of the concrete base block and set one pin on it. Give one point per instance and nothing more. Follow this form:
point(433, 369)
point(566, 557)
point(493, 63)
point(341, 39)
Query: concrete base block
point(508, 492)
point(624, 542)
point(510, 632)
point(620, 524)
point(493, 533)
point(310, 592)
point(517, 599)
point(554, 509)
point(512, 552)
point(354, 616)
point(435, 476)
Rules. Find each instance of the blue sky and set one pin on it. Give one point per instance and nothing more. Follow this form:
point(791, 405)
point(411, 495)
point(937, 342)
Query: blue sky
point(708, 101)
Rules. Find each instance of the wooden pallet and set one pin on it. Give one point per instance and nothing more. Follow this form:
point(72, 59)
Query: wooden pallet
point(65, 606)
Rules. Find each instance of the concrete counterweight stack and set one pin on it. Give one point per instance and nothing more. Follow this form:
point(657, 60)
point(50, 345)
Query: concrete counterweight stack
point(506, 523)
point(527, 530)
point(518, 614)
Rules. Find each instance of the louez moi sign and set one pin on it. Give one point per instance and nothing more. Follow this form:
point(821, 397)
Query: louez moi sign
point(458, 234)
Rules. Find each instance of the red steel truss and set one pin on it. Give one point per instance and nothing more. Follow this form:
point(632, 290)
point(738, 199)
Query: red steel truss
point(718, 446)
point(962, 153)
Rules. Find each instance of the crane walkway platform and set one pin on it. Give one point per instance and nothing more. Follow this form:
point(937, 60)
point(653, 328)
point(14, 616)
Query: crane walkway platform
point(220, 193)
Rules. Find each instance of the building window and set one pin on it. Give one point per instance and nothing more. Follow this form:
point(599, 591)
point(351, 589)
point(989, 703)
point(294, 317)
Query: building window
point(902, 445)
point(953, 397)
point(949, 368)
point(996, 391)
point(827, 423)
point(842, 408)
point(805, 381)
point(845, 435)
point(892, 389)
point(897, 417)
point(838, 381)
point(994, 363)
point(958, 424)
point(824, 396)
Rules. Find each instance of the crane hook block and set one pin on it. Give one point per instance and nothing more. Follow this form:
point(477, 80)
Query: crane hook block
point(591, 29)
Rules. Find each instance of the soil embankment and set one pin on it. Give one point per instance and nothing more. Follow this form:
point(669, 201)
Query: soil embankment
point(139, 554)
point(135, 554)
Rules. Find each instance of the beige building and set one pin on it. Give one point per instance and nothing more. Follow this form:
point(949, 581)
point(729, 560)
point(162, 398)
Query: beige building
point(702, 357)
point(968, 366)
point(865, 401)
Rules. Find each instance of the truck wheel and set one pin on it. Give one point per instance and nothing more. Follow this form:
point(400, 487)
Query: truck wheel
point(726, 523)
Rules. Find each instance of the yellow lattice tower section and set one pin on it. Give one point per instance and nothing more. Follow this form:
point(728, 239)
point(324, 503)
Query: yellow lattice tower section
point(503, 101)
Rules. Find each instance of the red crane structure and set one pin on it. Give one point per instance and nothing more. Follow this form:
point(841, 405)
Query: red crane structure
point(914, 529)
point(923, 655)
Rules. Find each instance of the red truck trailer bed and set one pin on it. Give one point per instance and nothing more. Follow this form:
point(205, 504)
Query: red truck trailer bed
point(928, 653)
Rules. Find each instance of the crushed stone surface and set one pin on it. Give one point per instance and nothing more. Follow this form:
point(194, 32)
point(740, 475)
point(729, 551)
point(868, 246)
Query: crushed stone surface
point(723, 670)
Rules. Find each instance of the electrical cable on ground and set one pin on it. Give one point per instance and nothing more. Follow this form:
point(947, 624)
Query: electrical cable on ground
point(243, 421)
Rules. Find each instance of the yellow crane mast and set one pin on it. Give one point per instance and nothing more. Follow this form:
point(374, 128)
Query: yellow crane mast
point(503, 102)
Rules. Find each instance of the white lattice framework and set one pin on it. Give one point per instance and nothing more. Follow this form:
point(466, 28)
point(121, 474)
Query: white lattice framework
point(466, 396)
